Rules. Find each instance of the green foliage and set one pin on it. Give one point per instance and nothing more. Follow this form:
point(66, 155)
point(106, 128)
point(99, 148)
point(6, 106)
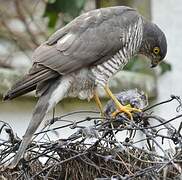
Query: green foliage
point(70, 9)
point(165, 67)
point(141, 64)
point(107, 3)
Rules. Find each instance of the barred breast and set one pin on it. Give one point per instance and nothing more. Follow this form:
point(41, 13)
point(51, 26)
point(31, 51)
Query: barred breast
point(131, 40)
point(84, 81)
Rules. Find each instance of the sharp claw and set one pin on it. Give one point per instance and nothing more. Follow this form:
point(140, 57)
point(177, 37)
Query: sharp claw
point(114, 114)
point(126, 109)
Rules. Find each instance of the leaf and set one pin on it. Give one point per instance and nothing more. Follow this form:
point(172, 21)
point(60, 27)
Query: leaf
point(70, 8)
point(139, 64)
point(51, 1)
point(53, 16)
point(165, 67)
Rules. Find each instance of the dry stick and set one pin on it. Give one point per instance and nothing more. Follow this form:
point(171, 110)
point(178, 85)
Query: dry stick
point(179, 129)
point(90, 163)
point(150, 127)
point(163, 121)
point(170, 161)
point(59, 163)
point(107, 145)
point(124, 164)
point(118, 162)
point(73, 122)
point(173, 97)
point(169, 158)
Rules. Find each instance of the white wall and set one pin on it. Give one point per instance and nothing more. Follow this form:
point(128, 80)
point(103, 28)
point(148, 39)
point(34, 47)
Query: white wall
point(168, 15)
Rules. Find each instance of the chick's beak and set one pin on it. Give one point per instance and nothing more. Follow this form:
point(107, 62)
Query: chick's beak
point(154, 63)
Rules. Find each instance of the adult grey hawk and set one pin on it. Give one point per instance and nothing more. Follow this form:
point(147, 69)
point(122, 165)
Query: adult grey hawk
point(83, 54)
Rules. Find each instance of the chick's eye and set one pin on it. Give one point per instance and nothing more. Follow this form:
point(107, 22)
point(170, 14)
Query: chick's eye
point(156, 50)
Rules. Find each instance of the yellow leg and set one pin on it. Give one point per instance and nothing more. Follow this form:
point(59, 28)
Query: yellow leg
point(98, 103)
point(120, 108)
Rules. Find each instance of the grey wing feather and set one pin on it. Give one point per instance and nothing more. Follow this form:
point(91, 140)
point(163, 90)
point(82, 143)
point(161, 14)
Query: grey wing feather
point(29, 82)
point(90, 39)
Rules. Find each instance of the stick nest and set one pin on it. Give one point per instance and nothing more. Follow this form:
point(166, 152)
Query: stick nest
point(99, 148)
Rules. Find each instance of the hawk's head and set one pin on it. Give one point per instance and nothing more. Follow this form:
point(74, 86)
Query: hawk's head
point(154, 44)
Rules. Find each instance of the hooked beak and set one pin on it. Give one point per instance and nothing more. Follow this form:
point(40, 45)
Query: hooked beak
point(154, 63)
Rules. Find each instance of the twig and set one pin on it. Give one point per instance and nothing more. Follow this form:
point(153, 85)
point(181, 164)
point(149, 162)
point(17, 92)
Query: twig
point(97, 151)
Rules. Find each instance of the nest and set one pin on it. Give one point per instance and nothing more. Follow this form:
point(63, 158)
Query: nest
point(107, 149)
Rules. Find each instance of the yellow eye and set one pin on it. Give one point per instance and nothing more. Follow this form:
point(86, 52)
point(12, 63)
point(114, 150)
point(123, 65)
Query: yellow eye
point(156, 50)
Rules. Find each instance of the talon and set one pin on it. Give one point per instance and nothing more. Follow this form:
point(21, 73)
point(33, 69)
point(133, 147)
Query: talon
point(126, 109)
point(115, 113)
point(120, 108)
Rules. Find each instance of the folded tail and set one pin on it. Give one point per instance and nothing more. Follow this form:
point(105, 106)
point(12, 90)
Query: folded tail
point(57, 90)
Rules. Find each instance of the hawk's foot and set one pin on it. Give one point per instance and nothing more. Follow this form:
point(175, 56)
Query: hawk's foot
point(125, 109)
point(120, 108)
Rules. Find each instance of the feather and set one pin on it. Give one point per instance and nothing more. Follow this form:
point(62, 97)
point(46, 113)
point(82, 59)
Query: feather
point(28, 83)
point(46, 101)
point(90, 39)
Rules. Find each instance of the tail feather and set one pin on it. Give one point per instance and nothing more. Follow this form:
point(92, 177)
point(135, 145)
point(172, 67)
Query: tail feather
point(56, 92)
point(37, 117)
point(29, 83)
point(11, 95)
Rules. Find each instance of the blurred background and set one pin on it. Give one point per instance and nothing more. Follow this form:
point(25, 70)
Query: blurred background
point(25, 24)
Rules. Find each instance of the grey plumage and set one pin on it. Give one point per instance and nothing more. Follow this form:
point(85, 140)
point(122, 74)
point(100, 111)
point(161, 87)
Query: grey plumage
point(83, 54)
point(40, 110)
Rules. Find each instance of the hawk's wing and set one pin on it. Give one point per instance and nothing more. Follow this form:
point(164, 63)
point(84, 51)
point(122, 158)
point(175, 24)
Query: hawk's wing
point(89, 39)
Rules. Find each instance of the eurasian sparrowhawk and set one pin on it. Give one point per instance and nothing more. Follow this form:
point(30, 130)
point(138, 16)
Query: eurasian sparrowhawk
point(83, 54)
